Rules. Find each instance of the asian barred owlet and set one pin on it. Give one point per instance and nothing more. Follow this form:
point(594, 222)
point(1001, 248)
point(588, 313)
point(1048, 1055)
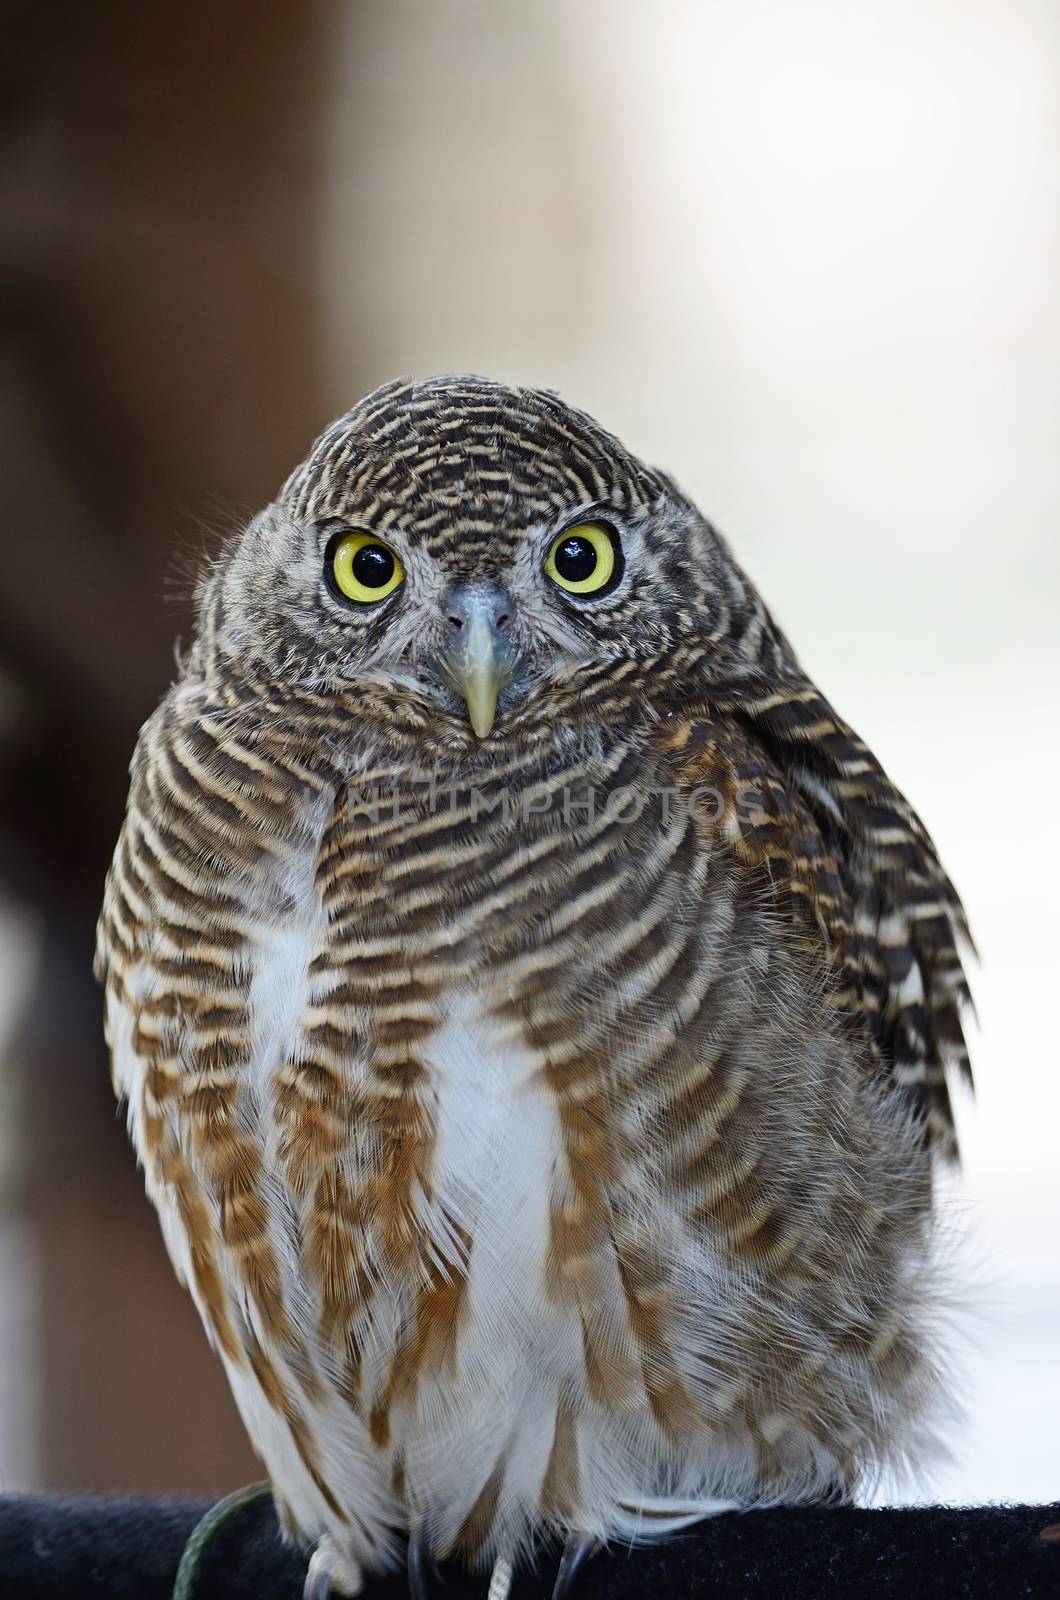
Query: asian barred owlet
point(532, 1003)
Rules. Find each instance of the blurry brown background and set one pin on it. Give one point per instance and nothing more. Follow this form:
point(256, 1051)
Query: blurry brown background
point(805, 256)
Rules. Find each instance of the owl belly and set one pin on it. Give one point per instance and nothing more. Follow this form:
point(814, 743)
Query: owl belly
point(475, 1427)
point(518, 1398)
point(497, 1139)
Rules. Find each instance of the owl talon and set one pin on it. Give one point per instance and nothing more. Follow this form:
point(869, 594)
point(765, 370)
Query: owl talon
point(578, 1548)
point(422, 1568)
point(331, 1573)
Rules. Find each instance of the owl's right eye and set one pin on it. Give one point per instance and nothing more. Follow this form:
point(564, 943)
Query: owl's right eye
point(363, 568)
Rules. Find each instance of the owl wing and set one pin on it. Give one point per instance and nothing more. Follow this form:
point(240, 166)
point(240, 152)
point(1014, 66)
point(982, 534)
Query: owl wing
point(200, 935)
point(210, 919)
point(805, 802)
point(174, 955)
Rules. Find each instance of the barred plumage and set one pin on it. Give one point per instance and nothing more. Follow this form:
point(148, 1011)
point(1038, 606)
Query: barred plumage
point(540, 1120)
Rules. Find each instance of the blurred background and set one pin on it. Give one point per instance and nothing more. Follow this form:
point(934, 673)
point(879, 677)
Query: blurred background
point(806, 256)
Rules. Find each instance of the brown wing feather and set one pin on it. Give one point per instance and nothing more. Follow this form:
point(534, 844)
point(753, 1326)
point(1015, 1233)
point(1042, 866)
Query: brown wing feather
point(807, 800)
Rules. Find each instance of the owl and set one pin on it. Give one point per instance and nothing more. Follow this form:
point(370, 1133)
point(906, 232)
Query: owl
point(533, 1007)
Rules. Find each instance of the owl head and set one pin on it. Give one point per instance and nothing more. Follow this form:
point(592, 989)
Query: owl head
point(483, 555)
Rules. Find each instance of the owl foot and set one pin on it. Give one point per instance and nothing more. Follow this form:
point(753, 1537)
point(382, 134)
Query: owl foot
point(500, 1580)
point(331, 1573)
point(576, 1551)
point(422, 1569)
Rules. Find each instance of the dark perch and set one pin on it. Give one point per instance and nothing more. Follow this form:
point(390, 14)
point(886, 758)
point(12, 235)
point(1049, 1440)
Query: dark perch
point(54, 1547)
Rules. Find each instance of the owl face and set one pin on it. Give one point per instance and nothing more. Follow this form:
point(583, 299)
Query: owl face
point(466, 547)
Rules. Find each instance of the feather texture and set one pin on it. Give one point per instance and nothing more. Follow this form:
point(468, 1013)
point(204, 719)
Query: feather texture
point(541, 1123)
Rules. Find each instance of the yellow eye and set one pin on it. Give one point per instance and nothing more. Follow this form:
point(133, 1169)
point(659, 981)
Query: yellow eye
point(365, 569)
point(583, 560)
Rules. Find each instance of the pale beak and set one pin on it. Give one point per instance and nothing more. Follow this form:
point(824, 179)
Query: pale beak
point(480, 658)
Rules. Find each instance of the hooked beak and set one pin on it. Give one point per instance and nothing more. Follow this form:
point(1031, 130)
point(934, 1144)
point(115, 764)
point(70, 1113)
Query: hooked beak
point(480, 658)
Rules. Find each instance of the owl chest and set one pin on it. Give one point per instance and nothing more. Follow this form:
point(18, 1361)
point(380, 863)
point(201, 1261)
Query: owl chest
point(475, 975)
point(468, 880)
point(447, 934)
point(482, 938)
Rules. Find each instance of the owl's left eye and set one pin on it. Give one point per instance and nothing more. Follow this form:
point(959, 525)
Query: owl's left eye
point(585, 560)
point(365, 569)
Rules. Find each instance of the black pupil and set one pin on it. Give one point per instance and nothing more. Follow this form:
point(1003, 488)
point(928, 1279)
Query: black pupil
point(373, 565)
point(576, 559)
